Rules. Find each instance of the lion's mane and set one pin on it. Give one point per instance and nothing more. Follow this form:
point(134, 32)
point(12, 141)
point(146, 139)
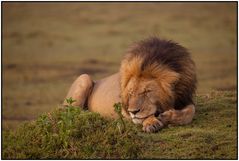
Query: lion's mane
point(167, 62)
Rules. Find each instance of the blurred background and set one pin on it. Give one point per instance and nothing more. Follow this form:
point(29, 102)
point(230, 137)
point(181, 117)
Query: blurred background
point(45, 46)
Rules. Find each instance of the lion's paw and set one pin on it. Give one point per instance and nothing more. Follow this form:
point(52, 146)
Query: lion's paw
point(152, 124)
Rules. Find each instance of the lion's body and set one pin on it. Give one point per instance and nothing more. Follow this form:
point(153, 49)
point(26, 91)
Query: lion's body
point(156, 84)
point(104, 95)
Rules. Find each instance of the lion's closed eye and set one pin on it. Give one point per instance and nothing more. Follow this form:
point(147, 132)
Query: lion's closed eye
point(148, 90)
point(145, 92)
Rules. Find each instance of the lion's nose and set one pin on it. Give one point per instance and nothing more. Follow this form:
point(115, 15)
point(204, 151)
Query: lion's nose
point(134, 111)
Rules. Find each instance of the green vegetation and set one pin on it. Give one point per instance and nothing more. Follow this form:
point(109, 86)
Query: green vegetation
point(69, 133)
point(121, 123)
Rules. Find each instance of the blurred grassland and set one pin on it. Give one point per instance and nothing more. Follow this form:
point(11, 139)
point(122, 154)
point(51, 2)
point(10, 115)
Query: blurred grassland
point(46, 46)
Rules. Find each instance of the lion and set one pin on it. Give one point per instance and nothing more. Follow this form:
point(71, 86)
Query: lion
point(156, 83)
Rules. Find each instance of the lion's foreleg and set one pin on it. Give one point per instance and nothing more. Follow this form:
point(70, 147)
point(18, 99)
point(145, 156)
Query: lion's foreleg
point(80, 90)
point(175, 117)
point(152, 124)
point(178, 117)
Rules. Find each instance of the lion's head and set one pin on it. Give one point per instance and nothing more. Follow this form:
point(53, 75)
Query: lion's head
point(146, 92)
point(148, 77)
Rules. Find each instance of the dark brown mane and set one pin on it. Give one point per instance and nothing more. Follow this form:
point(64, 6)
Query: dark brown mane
point(161, 51)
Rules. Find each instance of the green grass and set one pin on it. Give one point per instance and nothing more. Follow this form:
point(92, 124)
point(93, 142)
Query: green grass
point(212, 134)
point(69, 133)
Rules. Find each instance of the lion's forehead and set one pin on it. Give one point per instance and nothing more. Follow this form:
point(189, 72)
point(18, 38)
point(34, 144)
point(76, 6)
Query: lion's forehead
point(140, 86)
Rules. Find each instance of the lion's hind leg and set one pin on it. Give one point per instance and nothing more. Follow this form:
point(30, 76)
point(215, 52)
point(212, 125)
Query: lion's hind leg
point(80, 90)
point(178, 117)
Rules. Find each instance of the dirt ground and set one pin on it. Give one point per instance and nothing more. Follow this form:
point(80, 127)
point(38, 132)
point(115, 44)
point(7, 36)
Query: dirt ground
point(45, 46)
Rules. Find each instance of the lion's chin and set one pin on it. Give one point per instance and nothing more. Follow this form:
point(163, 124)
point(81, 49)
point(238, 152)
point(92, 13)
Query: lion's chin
point(137, 120)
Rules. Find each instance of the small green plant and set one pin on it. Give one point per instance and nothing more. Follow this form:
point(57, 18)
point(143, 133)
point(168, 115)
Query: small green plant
point(70, 101)
point(120, 121)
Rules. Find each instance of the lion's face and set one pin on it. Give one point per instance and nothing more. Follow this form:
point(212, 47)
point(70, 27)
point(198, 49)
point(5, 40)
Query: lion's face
point(142, 98)
point(146, 91)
